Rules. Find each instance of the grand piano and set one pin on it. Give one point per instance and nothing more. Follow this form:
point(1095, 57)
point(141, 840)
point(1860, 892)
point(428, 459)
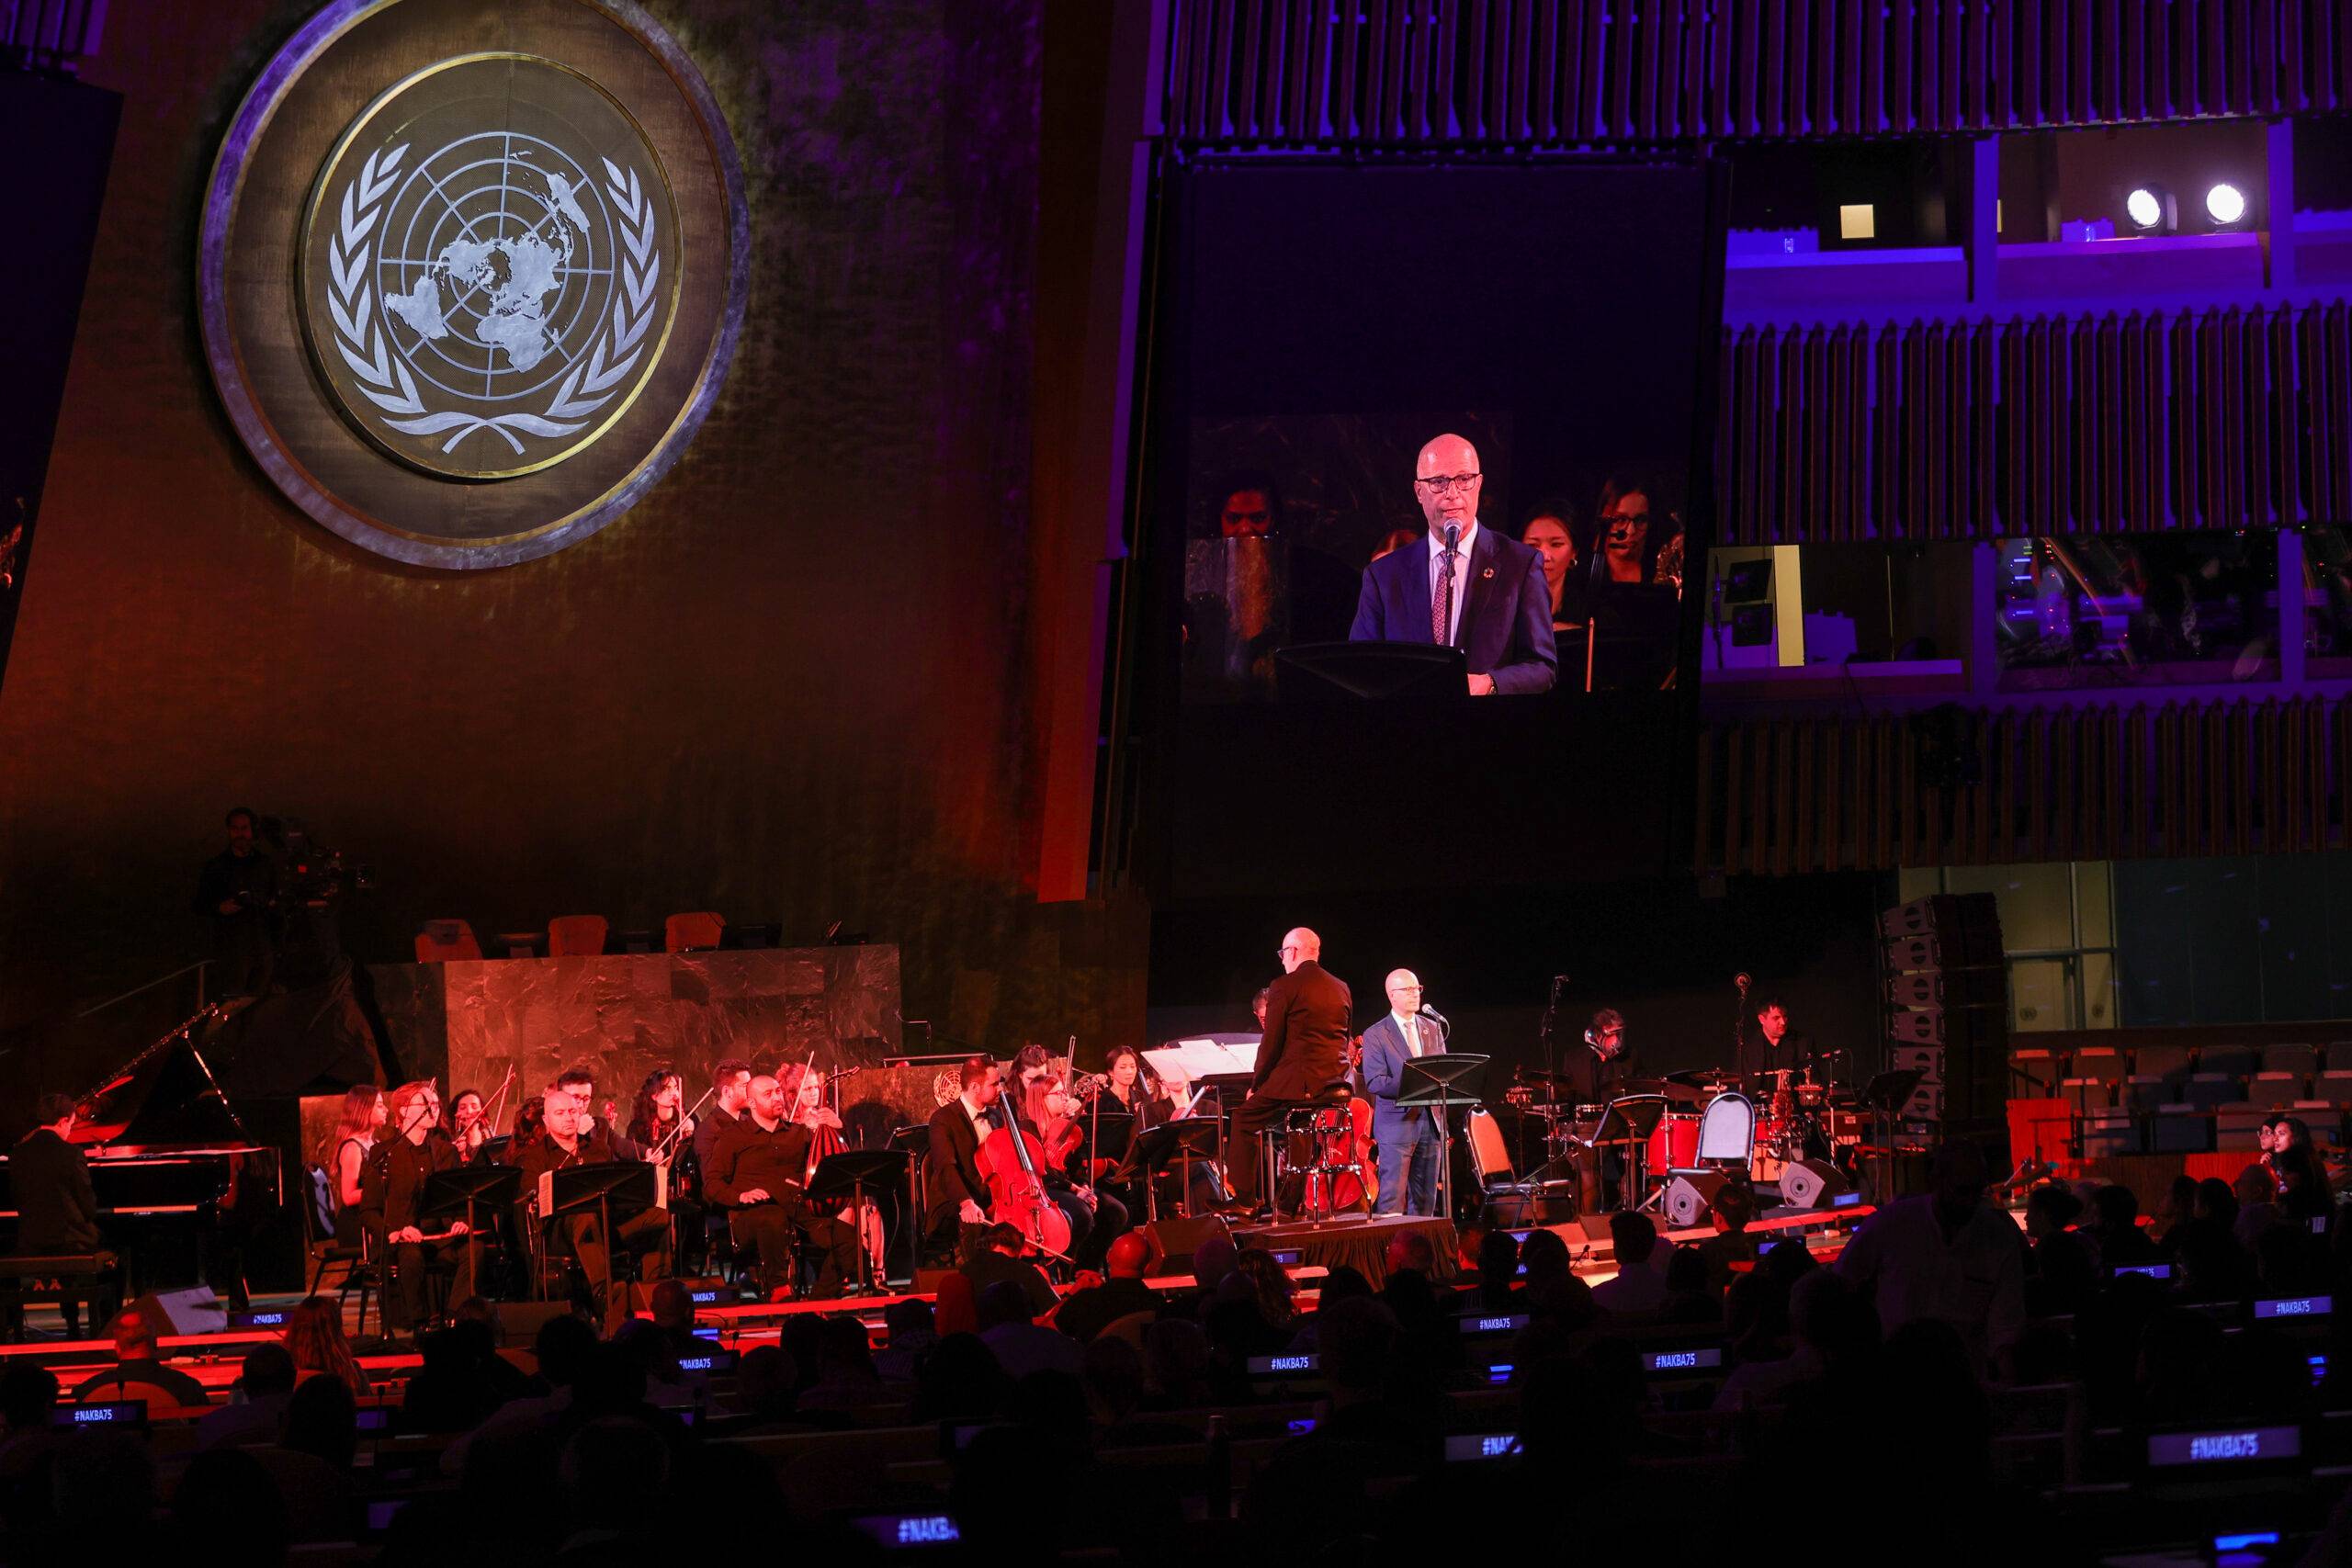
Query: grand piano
point(179, 1181)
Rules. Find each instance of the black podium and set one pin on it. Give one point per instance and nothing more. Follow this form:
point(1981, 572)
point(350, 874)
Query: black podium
point(1418, 673)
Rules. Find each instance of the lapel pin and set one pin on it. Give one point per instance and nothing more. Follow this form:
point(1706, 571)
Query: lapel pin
point(1488, 572)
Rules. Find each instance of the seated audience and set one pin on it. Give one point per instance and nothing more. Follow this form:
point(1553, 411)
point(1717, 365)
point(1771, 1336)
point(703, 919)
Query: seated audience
point(1087, 1313)
point(1731, 1249)
point(2115, 1228)
point(1638, 1289)
point(314, 1338)
point(1946, 1256)
point(910, 1335)
point(1021, 1345)
point(998, 1259)
point(138, 1373)
point(257, 1406)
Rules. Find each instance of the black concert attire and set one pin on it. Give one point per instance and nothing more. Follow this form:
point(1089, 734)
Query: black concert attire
point(644, 1236)
point(57, 1209)
point(749, 1157)
point(392, 1184)
point(244, 945)
point(350, 1220)
point(706, 1130)
point(686, 1208)
point(1600, 1174)
point(1092, 1223)
point(951, 1173)
point(1299, 1057)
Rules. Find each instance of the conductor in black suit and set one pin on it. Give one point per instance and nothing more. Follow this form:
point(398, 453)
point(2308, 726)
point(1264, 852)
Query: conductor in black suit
point(956, 1196)
point(1308, 1013)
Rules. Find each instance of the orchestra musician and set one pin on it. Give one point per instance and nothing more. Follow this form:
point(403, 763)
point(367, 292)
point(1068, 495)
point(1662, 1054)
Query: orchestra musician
point(659, 1123)
point(1307, 1036)
point(1597, 1075)
point(566, 1140)
point(956, 1193)
point(469, 1127)
point(1406, 1136)
point(393, 1184)
point(759, 1172)
point(731, 1083)
point(1044, 1109)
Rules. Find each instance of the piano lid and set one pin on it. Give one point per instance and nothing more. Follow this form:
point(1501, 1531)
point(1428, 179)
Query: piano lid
point(163, 1095)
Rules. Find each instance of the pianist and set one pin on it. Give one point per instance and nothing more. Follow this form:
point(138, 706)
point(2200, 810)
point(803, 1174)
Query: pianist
point(391, 1191)
point(58, 1213)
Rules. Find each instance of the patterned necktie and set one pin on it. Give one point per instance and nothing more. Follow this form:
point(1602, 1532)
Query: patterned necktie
point(1413, 1036)
point(1442, 604)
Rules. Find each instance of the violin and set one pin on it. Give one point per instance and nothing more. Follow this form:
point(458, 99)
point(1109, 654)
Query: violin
point(1013, 1162)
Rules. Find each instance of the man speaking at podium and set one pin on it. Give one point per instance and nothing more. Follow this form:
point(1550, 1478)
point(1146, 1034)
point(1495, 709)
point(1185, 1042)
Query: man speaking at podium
point(1464, 584)
point(1406, 1136)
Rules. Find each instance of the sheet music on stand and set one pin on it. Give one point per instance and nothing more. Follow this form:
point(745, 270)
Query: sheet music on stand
point(1203, 1056)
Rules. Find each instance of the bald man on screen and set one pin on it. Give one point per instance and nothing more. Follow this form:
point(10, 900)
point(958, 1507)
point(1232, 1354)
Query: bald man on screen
point(1463, 584)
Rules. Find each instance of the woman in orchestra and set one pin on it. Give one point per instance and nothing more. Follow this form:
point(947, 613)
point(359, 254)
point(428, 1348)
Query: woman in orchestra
point(530, 1126)
point(804, 1097)
point(659, 1104)
point(1051, 1114)
point(468, 1128)
point(346, 1151)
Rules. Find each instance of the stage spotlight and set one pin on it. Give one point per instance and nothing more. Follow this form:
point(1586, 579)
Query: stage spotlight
point(2150, 209)
point(2225, 205)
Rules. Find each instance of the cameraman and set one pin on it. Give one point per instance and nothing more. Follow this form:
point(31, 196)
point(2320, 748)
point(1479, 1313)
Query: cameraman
point(237, 892)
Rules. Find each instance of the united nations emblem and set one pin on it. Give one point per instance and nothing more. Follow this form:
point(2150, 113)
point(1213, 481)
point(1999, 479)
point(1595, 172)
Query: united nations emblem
point(517, 274)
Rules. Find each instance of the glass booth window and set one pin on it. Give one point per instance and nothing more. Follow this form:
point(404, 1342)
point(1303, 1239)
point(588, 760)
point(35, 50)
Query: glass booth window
point(2327, 601)
point(2153, 609)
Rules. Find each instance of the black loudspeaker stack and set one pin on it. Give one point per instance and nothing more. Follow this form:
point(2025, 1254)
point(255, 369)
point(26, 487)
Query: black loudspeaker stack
point(1812, 1184)
point(1945, 994)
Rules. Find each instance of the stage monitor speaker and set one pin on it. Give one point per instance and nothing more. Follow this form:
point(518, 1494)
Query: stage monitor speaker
point(1177, 1240)
point(1690, 1195)
point(1811, 1183)
point(193, 1311)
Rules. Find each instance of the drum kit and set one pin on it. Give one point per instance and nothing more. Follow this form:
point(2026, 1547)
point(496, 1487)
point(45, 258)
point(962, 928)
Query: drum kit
point(1703, 1120)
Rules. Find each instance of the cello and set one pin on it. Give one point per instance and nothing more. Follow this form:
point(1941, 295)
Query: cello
point(1353, 1144)
point(1013, 1163)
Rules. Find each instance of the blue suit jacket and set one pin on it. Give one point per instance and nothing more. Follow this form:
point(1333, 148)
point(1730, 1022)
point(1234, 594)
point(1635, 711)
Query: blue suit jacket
point(1384, 1056)
point(1505, 625)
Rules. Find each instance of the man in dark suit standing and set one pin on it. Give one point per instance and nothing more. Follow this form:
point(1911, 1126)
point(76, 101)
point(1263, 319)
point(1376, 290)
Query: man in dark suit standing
point(1306, 1035)
point(1464, 584)
point(1406, 1136)
point(956, 1196)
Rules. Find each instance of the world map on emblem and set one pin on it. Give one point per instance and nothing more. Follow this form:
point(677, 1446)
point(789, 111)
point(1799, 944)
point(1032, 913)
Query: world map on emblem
point(486, 277)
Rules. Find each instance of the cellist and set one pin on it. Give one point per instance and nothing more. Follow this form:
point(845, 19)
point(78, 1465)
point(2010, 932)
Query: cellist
point(1047, 1113)
point(956, 1201)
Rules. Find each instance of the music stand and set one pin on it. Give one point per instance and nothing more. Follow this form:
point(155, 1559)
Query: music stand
point(1433, 1083)
point(1630, 1120)
point(603, 1186)
point(1885, 1095)
point(467, 1187)
point(914, 1142)
point(1195, 1137)
point(847, 1175)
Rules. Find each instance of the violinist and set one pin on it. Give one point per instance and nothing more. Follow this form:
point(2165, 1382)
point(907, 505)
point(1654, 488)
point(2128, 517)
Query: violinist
point(955, 1190)
point(803, 1094)
point(759, 1170)
point(469, 1127)
point(660, 1123)
point(1046, 1112)
point(392, 1185)
point(1123, 1087)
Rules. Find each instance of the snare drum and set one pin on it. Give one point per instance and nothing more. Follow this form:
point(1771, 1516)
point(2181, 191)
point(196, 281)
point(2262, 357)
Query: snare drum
point(1674, 1144)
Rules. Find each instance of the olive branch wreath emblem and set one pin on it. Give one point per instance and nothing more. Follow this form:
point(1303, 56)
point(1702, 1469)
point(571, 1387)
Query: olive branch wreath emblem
point(364, 342)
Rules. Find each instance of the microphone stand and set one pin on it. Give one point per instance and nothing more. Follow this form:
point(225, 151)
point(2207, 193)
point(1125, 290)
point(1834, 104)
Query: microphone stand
point(1547, 1034)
